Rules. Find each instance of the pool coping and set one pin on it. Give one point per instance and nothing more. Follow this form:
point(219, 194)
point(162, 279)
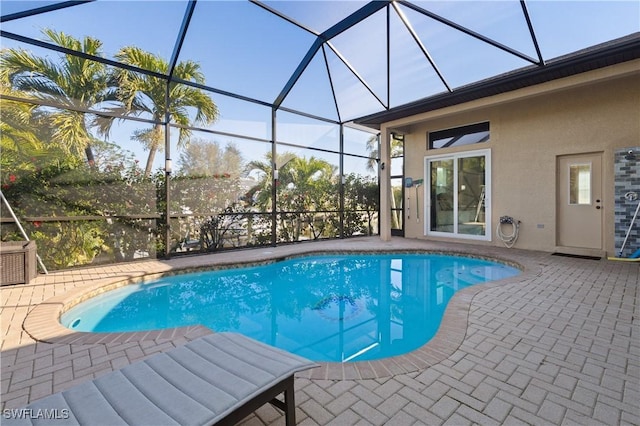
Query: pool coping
point(42, 323)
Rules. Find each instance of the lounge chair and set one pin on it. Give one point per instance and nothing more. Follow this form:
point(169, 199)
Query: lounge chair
point(219, 378)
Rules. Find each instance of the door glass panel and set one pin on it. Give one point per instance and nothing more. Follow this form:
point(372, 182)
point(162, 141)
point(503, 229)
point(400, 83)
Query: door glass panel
point(471, 195)
point(442, 213)
point(396, 203)
point(397, 166)
point(397, 183)
point(580, 184)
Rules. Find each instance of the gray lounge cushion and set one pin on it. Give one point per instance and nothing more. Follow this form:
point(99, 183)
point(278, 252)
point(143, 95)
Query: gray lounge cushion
point(195, 384)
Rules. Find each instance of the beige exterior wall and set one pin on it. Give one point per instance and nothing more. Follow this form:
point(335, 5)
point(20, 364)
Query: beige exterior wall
point(598, 111)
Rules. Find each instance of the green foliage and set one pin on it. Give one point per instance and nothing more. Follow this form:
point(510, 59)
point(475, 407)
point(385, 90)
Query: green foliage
point(72, 82)
point(74, 192)
point(144, 94)
point(362, 202)
point(227, 228)
point(85, 200)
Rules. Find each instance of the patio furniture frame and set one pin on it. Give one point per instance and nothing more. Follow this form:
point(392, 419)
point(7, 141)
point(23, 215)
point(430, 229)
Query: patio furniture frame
point(220, 378)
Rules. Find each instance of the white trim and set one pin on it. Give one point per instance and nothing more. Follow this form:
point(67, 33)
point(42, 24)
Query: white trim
point(487, 201)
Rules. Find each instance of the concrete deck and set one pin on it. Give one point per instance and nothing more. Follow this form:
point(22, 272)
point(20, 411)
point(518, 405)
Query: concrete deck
point(559, 344)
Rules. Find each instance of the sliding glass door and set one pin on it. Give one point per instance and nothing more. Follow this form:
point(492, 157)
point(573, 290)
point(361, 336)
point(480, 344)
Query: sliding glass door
point(459, 187)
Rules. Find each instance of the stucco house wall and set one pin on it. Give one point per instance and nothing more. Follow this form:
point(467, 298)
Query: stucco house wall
point(593, 112)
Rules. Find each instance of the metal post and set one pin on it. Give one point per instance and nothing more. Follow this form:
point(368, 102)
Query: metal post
point(167, 171)
point(342, 180)
point(274, 178)
point(385, 185)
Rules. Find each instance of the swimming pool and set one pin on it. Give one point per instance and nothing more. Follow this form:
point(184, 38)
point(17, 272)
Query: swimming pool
point(347, 307)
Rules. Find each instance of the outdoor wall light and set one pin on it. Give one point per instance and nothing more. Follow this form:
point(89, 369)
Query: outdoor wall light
point(630, 155)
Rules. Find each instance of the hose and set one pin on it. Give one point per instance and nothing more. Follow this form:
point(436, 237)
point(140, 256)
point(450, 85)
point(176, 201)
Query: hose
point(508, 240)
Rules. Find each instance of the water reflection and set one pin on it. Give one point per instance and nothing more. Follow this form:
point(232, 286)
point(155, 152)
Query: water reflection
point(326, 308)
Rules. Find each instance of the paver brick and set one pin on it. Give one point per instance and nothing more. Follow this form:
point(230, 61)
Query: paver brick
point(473, 378)
point(316, 411)
point(369, 413)
point(366, 395)
point(497, 409)
point(423, 415)
point(392, 405)
point(402, 418)
point(534, 394)
point(555, 347)
point(457, 420)
point(551, 411)
point(390, 387)
point(342, 403)
point(347, 417)
point(476, 416)
point(465, 399)
point(444, 407)
point(484, 392)
point(318, 394)
point(338, 387)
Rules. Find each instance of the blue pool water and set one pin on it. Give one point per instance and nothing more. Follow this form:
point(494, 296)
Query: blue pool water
point(326, 308)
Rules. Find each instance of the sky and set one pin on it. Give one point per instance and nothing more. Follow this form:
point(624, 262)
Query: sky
point(246, 50)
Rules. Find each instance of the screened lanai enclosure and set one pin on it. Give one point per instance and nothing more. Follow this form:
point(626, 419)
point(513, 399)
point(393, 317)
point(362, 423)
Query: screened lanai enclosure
point(137, 129)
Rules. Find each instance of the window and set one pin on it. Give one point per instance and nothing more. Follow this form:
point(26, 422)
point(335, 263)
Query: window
point(580, 184)
point(460, 188)
point(397, 184)
point(459, 136)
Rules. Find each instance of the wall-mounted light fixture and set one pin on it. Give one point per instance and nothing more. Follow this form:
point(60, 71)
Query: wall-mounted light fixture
point(630, 155)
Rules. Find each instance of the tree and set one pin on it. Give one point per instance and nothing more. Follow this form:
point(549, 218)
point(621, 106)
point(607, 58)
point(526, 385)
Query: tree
point(260, 194)
point(73, 83)
point(206, 158)
point(142, 94)
point(361, 204)
point(310, 192)
point(21, 135)
point(397, 150)
point(305, 187)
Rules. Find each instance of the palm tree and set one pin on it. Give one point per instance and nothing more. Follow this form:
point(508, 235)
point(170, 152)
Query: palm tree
point(74, 84)
point(18, 138)
point(372, 147)
point(142, 94)
point(299, 174)
point(304, 186)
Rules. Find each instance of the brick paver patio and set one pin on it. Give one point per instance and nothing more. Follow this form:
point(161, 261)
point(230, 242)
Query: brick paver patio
point(559, 344)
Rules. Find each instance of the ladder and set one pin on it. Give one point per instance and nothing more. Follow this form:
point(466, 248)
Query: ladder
point(480, 204)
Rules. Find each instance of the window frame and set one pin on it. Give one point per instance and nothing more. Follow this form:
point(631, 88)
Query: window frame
point(458, 132)
point(578, 194)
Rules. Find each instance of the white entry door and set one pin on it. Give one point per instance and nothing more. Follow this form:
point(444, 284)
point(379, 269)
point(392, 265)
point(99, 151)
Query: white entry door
point(579, 198)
